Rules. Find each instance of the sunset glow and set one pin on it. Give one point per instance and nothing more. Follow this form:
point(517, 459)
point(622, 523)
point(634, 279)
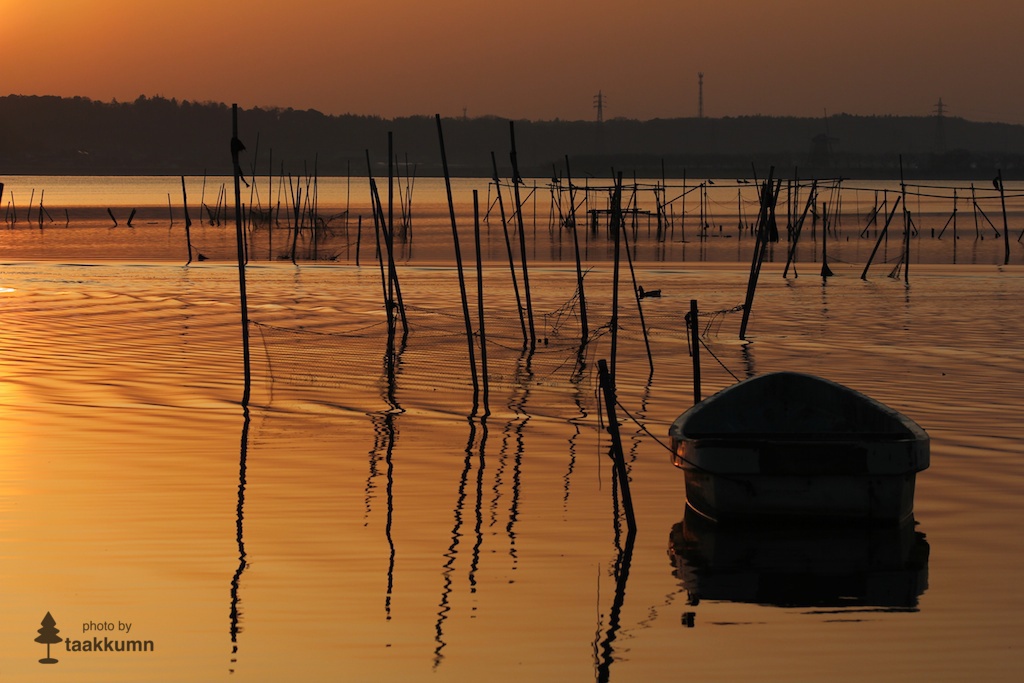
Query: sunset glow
point(534, 59)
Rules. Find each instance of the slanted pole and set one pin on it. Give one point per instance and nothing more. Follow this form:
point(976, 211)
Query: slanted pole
point(516, 180)
point(508, 248)
point(458, 262)
point(768, 194)
point(881, 236)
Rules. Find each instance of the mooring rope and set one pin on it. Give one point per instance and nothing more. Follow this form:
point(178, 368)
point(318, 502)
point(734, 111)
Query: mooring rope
point(642, 426)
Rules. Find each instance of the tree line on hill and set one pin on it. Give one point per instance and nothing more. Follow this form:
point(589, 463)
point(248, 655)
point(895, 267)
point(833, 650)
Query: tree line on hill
point(155, 135)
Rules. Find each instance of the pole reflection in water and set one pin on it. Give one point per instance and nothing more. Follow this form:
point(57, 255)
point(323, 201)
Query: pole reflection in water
point(578, 380)
point(235, 612)
point(605, 651)
point(452, 553)
point(512, 447)
point(385, 430)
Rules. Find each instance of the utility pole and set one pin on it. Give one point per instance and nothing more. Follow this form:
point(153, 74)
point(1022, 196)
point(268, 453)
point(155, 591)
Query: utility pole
point(599, 100)
point(700, 94)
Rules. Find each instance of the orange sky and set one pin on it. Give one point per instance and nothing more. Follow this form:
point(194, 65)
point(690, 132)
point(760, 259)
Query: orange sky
point(538, 59)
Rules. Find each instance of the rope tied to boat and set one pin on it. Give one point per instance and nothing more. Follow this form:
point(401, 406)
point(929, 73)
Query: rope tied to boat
point(661, 443)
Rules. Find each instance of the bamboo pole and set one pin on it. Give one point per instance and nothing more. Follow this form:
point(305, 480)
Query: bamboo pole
point(188, 221)
point(639, 307)
point(825, 270)
point(202, 198)
point(691, 319)
point(812, 197)
point(458, 261)
point(1006, 227)
point(767, 199)
point(616, 218)
point(516, 181)
point(906, 226)
point(951, 219)
point(389, 309)
point(236, 148)
point(881, 236)
point(379, 221)
point(359, 237)
point(584, 327)
point(480, 303)
point(508, 248)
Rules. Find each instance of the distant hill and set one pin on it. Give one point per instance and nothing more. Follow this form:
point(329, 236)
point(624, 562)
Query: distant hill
point(153, 135)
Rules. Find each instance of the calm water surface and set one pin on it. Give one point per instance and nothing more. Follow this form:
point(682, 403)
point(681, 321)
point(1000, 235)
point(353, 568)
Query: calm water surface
point(356, 524)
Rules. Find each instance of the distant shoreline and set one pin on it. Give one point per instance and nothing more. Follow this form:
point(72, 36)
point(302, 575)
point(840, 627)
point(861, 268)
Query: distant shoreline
point(156, 136)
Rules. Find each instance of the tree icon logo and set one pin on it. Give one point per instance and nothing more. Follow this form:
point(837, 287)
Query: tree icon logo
point(48, 634)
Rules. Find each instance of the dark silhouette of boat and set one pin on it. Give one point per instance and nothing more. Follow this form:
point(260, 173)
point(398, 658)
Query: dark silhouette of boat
point(788, 444)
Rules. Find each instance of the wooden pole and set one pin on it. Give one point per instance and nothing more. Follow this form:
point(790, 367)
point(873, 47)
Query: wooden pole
point(906, 226)
point(616, 219)
point(825, 270)
point(458, 260)
point(236, 148)
point(389, 308)
point(691, 319)
point(584, 328)
point(480, 302)
point(639, 307)
point(394, 287)
point(812, 197)
point(359, 237)
point(516, 180)
point(1006, 227)
point(881, 236)
point(508, 248)
point(768, 195)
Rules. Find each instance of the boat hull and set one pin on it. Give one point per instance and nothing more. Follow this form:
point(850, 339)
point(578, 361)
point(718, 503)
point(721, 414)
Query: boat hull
point(794, 445)
point(869, 498)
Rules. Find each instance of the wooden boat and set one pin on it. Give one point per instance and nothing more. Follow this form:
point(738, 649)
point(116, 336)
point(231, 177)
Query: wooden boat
point(788, 444)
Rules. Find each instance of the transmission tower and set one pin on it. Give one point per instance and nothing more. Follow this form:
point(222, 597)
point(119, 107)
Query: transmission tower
point(599, 101)
point(700, 94)
point(940, 132)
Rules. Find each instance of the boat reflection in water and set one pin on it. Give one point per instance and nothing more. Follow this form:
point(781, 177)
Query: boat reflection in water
point(800, 564)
